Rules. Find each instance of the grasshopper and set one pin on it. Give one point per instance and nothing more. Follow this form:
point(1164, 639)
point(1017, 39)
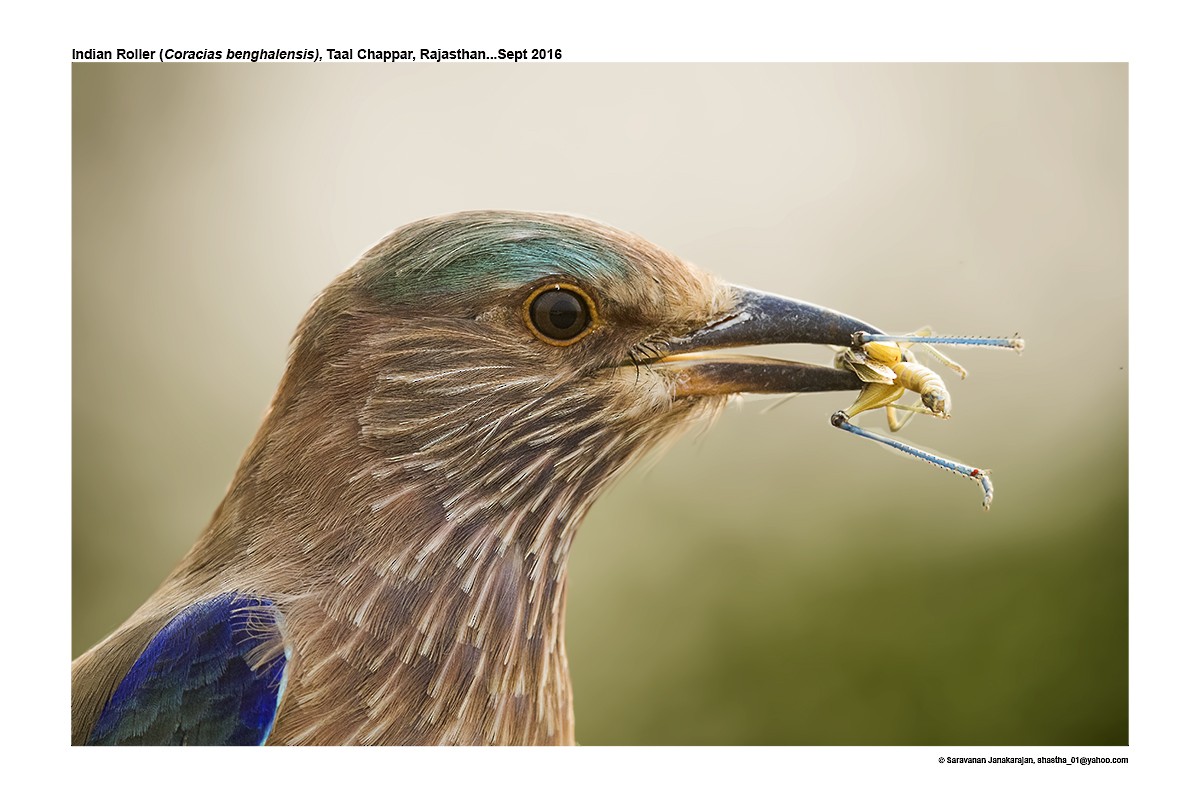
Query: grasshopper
point(889, 367)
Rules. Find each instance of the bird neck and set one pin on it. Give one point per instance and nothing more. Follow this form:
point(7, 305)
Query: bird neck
point(458, 638)
point(420, 610)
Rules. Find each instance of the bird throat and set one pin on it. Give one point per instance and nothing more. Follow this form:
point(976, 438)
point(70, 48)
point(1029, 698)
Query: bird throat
point(454, 639)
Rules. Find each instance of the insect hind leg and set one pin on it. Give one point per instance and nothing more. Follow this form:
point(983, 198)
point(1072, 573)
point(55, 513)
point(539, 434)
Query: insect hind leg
point(840, 420)
point(860, 338)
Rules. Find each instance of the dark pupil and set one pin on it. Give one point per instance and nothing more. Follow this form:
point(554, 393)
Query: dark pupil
point(564, 313)
point(559, 314)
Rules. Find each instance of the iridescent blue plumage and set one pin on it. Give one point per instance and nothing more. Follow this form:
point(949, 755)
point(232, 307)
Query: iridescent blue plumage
point(213, 675)
point(440, 257)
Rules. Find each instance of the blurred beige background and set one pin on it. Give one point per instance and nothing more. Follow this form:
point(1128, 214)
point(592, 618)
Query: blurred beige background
point(774, 580)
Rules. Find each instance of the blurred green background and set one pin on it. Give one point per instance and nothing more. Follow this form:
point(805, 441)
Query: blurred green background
point(773, 581)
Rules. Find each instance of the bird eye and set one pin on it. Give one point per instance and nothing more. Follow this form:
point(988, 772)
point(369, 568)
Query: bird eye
point(559, 314)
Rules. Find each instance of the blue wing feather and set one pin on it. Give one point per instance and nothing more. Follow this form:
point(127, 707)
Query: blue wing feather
point(214, 675)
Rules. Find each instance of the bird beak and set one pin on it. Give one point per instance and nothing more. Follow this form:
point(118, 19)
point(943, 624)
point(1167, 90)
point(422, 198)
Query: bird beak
point(758, 318)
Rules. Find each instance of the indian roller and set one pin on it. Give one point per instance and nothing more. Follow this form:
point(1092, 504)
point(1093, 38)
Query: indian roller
point(389, 563)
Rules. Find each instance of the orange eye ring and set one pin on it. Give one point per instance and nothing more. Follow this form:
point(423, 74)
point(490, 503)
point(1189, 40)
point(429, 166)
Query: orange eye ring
point(560, 314)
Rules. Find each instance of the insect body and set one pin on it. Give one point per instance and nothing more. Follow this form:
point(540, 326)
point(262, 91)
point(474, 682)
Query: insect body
point(889, 367)
point(925, 383)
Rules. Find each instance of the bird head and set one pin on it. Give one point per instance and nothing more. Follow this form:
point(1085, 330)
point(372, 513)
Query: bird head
point(491, 372)
point(504, 365)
